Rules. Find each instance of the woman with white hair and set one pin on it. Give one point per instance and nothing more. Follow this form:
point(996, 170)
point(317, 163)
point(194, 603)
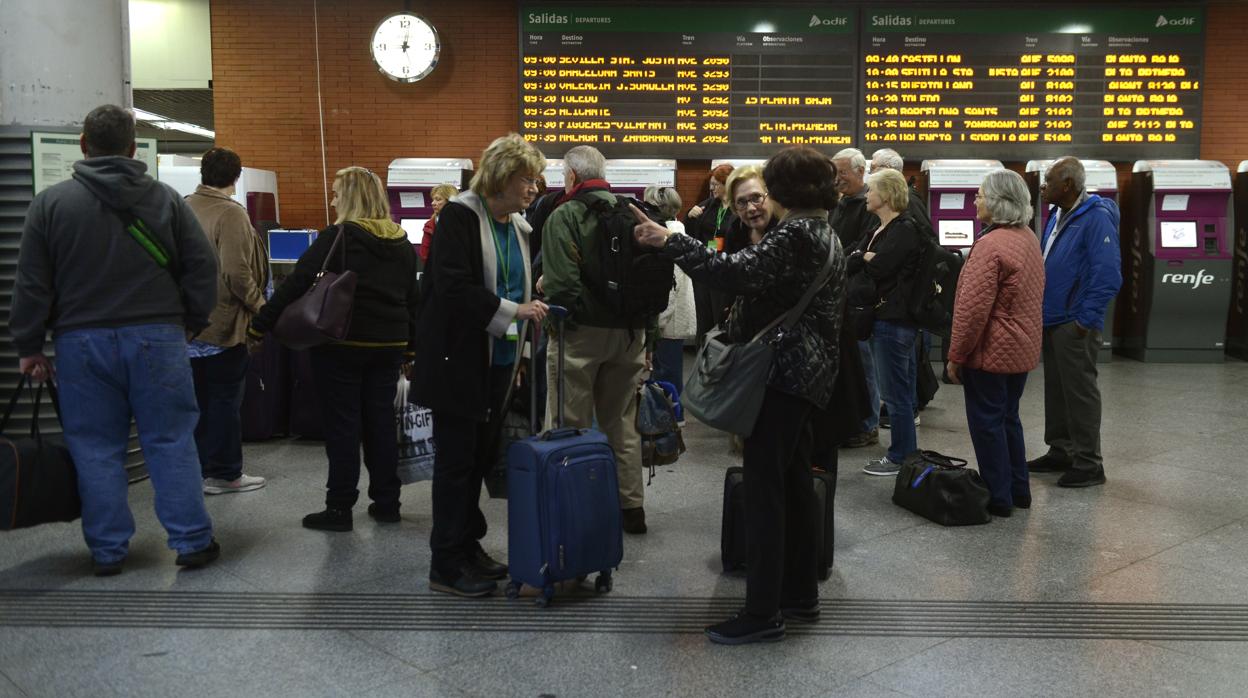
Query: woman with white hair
point(997, 332)
point(679, 321)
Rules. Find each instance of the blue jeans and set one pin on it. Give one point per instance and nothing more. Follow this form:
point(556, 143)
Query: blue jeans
point(106, 376)
point(997, 432)
point(896, 371)
point(219, 383)
point(669, 363)
point(872, 422)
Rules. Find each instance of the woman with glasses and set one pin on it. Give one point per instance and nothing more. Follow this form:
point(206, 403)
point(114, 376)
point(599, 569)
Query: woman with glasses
point(710, 218)
point(475, 305)
point(771, 277)
point(997, 335)
point(882, 272)
point(746, 193)
point(356, 378)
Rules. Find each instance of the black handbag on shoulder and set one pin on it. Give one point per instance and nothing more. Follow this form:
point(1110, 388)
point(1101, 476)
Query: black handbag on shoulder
point(38, 482)
point(941, 489)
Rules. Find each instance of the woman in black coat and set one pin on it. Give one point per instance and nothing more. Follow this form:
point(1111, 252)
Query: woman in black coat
point(475, 303)
point(769, 279)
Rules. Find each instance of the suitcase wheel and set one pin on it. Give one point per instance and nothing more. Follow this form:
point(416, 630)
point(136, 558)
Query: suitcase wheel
point(603, 583)
point(543, 601)
point(513, 590)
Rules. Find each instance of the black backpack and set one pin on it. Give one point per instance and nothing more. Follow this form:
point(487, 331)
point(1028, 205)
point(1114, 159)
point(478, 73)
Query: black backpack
point(934, 286)
point(633, 281)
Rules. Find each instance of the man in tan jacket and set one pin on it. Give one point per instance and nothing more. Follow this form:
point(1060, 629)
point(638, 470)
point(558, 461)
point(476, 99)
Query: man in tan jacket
point(219, 353)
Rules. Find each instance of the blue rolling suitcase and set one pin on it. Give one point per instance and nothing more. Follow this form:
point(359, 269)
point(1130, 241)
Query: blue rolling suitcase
point(563, 505)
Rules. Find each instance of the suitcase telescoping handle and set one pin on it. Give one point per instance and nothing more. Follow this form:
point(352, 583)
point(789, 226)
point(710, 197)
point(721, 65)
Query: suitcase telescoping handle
point(560, 314)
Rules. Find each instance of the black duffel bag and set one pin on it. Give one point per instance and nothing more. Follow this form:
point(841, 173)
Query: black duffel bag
point(941, 489)
point(38, 482)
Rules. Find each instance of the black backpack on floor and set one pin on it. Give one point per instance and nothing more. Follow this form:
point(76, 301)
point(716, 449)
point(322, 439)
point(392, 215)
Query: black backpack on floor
point(634, 281)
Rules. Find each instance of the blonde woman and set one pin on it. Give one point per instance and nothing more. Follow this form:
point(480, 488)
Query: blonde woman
point(476, 302)
point(356, 378)
point(438, 198)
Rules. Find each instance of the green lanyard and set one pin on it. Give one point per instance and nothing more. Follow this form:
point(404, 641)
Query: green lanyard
point(504, 255)
point(719, 218)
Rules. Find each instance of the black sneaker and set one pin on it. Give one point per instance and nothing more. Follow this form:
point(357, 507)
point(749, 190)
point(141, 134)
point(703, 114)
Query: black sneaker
point(1022, 501)
point(800, 611)
point(382, 514)
point(1048, 463)
point(634, 520)
point(329, 520)
point(106, 569)
point(1082, 478)
point(201, 557)
point(743, 629)
point(487, 567)
point(468, 584)
point(1000, 510)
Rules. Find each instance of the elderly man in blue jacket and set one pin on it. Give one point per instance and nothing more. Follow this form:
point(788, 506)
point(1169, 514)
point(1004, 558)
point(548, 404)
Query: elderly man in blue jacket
point(1083, 273)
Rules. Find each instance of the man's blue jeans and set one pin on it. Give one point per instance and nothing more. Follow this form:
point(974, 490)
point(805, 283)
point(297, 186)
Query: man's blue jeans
point(872, 422)
point(107, 375)
point(896, 370)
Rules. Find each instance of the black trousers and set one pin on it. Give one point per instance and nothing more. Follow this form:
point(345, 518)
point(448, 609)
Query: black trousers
point(781, 510)
point(356, 387)
point(465, 450)
point(220, 380)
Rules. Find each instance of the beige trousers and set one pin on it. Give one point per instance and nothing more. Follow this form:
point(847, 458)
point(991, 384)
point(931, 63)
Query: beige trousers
point(601, 373)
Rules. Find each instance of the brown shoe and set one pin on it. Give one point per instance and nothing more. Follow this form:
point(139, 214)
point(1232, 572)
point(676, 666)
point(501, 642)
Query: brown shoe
point(866, 438)
point(634, 520)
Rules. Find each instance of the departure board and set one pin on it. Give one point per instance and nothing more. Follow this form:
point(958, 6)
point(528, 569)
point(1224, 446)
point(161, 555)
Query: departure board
point(687, 81)
point(1021, 84)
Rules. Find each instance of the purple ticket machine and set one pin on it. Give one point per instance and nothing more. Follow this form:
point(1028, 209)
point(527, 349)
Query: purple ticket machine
point(1177, 259)
point(409, 183)
point(950, 195)
point(1101, 178)
point(631, 177)
point(1237, 321)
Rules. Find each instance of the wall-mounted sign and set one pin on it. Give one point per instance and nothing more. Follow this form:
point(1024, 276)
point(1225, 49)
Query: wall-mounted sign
point(53, 156)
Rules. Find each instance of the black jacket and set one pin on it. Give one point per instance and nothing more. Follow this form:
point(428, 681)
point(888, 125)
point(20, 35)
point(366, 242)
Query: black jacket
point(459, 317)
point(769, 279)
point(891, 271)
point(705, 227)
point(852, 221)
point(917, 210)
point(386, 293)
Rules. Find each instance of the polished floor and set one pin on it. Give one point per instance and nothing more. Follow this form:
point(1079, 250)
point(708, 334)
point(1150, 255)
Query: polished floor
point(1136, 588)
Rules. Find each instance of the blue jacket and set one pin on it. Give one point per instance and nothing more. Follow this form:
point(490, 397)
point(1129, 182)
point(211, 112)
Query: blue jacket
point(1083, 271)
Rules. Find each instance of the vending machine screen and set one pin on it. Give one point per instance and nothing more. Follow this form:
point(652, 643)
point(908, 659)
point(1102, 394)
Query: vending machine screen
point(1178, 234)
point(415, 229)
point(956, 233)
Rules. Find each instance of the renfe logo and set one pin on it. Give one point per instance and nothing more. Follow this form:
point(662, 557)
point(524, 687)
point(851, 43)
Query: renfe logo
point(1181, 22)
point(1197, 280)
point(890, 21)
point(834, 22)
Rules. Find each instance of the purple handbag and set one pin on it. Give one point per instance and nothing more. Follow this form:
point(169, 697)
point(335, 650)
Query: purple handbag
point(323, 313)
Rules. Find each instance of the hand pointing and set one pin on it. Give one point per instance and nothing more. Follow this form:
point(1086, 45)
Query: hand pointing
point(647, 231)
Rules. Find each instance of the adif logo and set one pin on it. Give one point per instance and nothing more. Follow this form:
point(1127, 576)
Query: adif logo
point(1197, 280)
point(1181, 22)
point(834, 22)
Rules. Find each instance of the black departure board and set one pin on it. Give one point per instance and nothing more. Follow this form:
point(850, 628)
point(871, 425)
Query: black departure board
point(1105, 81)
point(1021, 84)
point(687, 81)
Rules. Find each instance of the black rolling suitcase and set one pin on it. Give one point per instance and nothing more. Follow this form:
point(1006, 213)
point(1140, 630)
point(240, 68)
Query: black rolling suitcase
point(266, 397)
point(732, 538)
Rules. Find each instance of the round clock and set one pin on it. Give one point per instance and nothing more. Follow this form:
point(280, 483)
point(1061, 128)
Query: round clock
point(405, 47)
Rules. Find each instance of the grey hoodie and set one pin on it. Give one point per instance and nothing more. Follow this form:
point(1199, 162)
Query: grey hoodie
point(78, 268)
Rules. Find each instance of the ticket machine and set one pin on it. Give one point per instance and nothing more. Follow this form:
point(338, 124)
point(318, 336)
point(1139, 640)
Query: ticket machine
point(1237, 321)
point(1101, 178)
point(631, 177)
point(950, 187)
point(1177, 257)
point(553, 174)
point(256, 189)
point(409, 183)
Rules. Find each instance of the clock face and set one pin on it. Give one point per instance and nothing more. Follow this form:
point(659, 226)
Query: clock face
point(405, 47)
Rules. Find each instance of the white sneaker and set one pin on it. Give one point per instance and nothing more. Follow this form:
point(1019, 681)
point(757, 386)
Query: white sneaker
point(244, 483)
point(882, 467)
point(916, 419)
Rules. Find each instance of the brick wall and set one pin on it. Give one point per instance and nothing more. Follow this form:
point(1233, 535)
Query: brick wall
point(265, 87)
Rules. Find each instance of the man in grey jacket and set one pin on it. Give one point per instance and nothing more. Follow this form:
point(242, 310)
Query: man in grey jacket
point(115, 264)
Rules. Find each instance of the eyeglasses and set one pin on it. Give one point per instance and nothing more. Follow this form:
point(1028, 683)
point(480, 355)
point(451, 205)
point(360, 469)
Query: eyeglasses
point(529, 182)
point(745, 202)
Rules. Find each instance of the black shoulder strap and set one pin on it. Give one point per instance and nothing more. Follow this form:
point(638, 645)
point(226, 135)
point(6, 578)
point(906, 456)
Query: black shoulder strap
point(790, 318)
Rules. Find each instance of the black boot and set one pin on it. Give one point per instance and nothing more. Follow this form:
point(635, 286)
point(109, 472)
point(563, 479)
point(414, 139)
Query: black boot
point(329, 520)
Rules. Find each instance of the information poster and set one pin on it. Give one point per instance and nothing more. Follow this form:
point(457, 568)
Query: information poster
point(680, 81)
point(1021, 84)
point(53, 156)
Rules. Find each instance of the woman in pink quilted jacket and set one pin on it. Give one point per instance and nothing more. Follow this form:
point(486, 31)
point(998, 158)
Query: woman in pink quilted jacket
point(997, 333)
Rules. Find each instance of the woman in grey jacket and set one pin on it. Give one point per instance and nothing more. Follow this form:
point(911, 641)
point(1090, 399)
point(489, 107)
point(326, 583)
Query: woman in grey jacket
point(769, 279)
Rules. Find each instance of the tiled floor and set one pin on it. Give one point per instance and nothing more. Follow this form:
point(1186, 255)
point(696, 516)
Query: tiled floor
point(1168, 534)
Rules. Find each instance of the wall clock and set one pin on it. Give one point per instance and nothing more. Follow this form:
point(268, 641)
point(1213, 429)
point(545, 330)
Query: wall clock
point(405, 47)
